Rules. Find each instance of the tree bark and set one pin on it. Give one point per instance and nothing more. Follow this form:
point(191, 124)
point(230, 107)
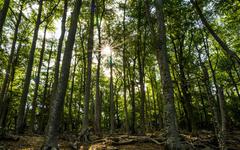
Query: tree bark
point(89, 68)
point(141, 69)
point(23, 100)
point(162, 57)
point(124, 71)
point(97, 116)
point(58, 101)
point(59, 49)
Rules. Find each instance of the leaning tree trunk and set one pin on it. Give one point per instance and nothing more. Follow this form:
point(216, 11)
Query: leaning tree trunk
point(162, 57)
point(89, 69)
point(3, 15)
point(224, 46)
point(23, 100)
point(58, 101)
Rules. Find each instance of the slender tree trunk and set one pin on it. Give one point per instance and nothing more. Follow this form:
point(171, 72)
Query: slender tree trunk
point(141, 70)
point(58, 101)
point(7, 98)
point(23, 100)
point(8, 75)
point(133, 113)
point(112, 112)
point(124, 71)
point(44, 109)
point(59, 49)
point(224, 46)
point(89, 69)
point(162, 57)
point(37, 80)
point(222, 144)
point(70, 116)
point(3, 15)
point(97, 124)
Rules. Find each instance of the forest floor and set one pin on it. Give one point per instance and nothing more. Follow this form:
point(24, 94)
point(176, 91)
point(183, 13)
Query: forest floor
point(152, 141)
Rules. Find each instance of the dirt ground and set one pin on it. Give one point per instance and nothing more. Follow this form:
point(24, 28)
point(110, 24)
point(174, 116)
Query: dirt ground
point(204, 140)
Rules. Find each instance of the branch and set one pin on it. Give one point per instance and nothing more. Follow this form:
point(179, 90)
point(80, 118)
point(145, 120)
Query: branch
point(51, 12)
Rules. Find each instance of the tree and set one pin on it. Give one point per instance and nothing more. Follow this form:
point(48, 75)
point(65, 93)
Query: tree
point(224, 46)
point(89, 68)
point(58, 101)
point(162, 57)
point(21, 109)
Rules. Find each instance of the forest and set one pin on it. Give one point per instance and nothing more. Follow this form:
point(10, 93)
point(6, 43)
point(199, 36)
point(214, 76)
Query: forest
point(120, 74)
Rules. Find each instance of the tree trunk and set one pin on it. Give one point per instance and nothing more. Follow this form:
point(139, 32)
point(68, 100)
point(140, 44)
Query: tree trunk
point(23, 100)
point(222, 143)
point(97, 116)
point(111, 98)
point(141, 70)
point(89, 69)
point(3, 15)
point(70, 116)
point(7, 98)
point(44, 109)
point(10, 66)
point(124, 71)
point(133, 113)
point(37, 80)
point(58, 101)
point(59, 49)
point(162, 57)
point(224, 46)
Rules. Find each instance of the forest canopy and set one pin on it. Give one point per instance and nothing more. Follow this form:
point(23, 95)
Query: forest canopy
point(120, 67)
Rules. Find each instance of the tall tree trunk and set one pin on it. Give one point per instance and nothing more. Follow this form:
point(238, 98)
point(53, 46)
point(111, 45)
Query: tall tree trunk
point(37, 80)
point(133, 113)
point(23, 100)
point(111, 99)
point(224, 46)
point(89, 68)
point(141, 69)
point(124, 71)
point(162, 57)
point(8, 75)
point(70, 116)
point(3, 15)
point(44, 109)
point(59, 49)
point(58, 101)
point(97, 116)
